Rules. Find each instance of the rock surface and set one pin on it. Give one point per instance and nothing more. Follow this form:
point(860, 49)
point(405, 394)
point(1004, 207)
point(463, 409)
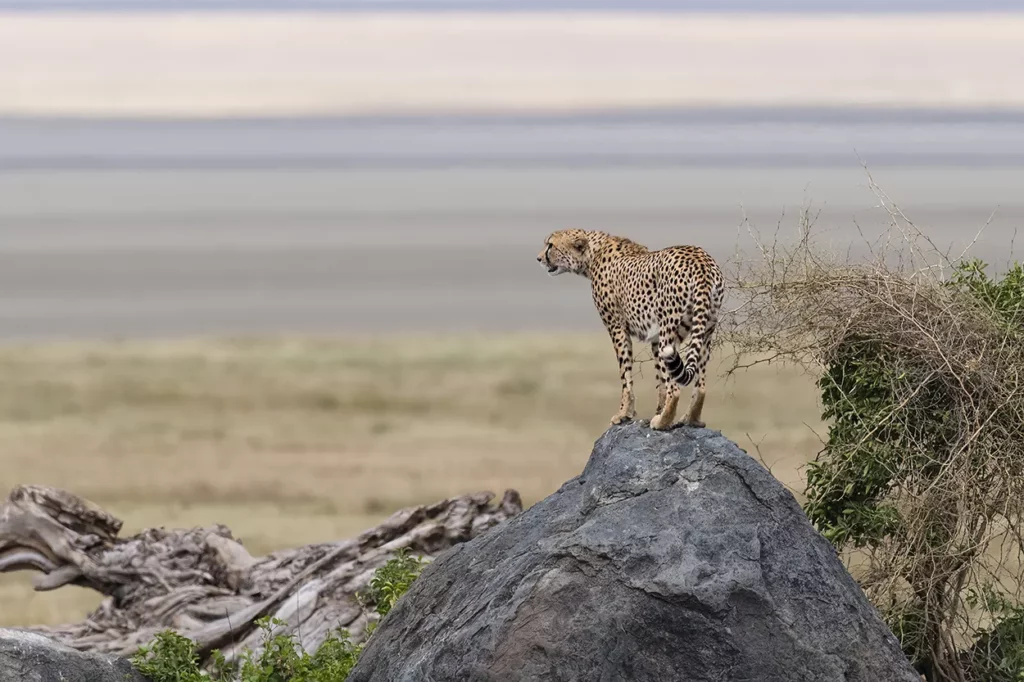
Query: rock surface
point(28, 657)
point(673, 556)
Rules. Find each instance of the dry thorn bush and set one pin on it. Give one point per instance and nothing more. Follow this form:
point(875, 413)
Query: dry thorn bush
point(919, 358)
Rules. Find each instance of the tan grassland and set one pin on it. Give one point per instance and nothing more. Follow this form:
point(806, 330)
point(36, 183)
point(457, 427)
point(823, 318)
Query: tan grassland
point(234, 64)
point(292, 441)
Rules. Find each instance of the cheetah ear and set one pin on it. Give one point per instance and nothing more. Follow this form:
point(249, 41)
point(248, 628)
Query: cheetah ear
point(580, 243)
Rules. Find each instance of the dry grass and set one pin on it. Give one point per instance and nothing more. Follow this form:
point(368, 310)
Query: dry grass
point(920, 353)
point(299, 440)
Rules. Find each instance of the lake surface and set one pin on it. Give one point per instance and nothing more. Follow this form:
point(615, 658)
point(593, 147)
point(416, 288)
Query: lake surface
point(149, 228)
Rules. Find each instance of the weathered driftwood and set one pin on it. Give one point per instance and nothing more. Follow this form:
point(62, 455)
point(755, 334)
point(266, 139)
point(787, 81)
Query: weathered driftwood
point(202, 582)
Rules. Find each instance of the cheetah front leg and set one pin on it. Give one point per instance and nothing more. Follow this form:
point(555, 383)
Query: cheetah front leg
point(624, 352)
point(660, 376)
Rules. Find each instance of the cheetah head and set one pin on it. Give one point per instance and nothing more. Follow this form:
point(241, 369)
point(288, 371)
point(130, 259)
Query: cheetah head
point(565, 251)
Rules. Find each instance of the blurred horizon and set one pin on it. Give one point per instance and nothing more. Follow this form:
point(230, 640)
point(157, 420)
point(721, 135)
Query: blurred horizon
point(514, 6)
point(257, 169)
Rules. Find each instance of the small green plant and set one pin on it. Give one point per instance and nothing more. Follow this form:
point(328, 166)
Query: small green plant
point(335, 658)
point(281, 658)
point(169, 658)
point(172, 657)
point(393, 579)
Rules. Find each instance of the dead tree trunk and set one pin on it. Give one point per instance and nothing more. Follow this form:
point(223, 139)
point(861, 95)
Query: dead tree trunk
point(202, 582)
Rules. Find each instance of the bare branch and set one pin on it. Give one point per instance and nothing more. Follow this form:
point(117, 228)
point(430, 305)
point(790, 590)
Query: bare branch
point(202, 582)
point(960, 525)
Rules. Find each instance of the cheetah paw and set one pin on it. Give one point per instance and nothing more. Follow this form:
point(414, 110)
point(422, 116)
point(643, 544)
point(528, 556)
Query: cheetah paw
point(621, 418)
point(660, 423)
point(695, 423)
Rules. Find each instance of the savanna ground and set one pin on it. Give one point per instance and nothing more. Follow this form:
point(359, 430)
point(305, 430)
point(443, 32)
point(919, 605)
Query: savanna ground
point(290, 441)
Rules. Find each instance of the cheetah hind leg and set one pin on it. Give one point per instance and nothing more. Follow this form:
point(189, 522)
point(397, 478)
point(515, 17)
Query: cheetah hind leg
point(664, 419)
point(697, 399)
point(696, 405)
point(667, 414)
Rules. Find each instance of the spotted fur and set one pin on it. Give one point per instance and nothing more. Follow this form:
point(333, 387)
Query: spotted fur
point(667, 298)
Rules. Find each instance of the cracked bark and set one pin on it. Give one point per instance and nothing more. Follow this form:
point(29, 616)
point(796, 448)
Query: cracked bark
point(202, 582)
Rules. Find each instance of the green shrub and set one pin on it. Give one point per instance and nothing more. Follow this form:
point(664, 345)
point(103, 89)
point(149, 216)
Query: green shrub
point(998, 652)
point(903, 429)
point(172, 657)
point(920, 365)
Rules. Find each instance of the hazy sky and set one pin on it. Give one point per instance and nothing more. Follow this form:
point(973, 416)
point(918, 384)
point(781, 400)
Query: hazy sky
point(813, 6)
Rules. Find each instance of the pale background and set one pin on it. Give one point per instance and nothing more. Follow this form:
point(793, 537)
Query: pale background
point(276, 269)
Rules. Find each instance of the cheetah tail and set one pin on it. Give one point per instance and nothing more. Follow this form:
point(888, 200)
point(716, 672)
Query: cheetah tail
point(682, 371)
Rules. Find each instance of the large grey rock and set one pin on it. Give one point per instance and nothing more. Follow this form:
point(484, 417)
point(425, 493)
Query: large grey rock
point(673, 556)
point(28, 657)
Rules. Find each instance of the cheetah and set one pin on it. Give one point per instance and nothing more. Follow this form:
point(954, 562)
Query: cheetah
point(665, 298)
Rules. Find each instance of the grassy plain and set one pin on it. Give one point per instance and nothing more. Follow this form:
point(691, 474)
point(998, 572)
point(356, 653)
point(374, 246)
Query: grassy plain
point(290, 441)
